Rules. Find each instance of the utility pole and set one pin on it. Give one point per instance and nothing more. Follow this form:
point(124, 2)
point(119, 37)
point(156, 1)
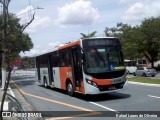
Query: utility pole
point(3, 43)
point(4, 82)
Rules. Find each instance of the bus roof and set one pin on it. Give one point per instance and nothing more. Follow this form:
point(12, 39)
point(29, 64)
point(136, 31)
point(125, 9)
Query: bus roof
point(66, 45)
point(99, 37)
point(59, 47)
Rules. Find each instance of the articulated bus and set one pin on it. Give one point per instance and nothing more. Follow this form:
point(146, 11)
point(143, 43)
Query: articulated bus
point(87, 66)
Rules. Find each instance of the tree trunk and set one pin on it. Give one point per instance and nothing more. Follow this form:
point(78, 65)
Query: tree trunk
point(5, 91)
point(152, 64)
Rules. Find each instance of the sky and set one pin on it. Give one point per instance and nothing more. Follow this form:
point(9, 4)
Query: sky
point(60, 21)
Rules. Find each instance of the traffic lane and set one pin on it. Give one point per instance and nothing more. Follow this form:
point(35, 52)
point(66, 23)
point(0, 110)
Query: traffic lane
point(59, 95)
point(41, 105)
point(56, 94)
point(135, 96)
point(138, 100)
point(97, 98)
point(29, 86)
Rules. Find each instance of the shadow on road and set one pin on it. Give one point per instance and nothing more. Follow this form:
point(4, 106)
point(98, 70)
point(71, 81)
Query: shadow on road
point(23, 81)
point(102, 97)
point(94, 98)
point(24, 77)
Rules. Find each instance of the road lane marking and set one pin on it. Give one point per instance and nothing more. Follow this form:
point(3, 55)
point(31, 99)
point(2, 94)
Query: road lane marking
point(11, 91)
point(153, 96)
point(107, 108)
point(61, 103)
point(51, 100)
point(74, 116)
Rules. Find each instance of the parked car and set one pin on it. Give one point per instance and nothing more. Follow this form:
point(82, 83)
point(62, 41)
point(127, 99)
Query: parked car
point(131, 69)
point(145, 71)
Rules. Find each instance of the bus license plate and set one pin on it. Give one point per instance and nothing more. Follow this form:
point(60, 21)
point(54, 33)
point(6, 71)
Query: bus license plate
point(112, 88)
point(114, 81)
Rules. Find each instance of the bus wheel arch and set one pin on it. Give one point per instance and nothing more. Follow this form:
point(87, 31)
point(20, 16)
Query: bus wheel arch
point(69, 87)
point(45, 82)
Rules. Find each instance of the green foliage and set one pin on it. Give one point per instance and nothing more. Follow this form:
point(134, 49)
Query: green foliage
point(16, 41)
point(145, 80)
point(151, 29)
point(28, 62)
point(88, 35)
point(139, 41)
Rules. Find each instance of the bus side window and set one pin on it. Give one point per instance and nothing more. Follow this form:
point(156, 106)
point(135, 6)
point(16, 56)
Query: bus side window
point(56, 59)
point(44, 61)
point(65, 59)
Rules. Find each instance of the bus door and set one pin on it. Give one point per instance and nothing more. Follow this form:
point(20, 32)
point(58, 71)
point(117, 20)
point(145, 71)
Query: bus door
point(55, 69)
point(77, 66)
point(50, 71)
point(38, 68)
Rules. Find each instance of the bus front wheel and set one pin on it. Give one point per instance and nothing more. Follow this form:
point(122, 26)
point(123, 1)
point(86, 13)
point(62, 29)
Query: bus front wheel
point(69, 88)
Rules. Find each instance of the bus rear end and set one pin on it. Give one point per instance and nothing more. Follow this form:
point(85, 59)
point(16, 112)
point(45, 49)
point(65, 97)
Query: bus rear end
point(103, 65)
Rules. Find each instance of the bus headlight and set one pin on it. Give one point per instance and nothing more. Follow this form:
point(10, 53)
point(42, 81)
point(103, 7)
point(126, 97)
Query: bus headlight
point(91, 83)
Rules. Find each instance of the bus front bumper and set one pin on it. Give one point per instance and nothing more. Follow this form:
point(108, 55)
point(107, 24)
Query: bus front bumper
point(105, 89)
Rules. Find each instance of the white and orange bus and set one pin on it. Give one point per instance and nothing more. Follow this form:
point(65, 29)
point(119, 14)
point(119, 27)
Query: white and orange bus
point(88, 66)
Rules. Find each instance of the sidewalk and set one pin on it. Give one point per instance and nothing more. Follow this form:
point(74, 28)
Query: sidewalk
point(5, 108)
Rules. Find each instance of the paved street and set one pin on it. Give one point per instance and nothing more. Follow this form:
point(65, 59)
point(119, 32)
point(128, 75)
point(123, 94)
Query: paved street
point(134, 98)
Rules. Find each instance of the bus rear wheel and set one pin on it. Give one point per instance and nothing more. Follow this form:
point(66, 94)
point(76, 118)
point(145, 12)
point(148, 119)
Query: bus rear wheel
point(69, 88)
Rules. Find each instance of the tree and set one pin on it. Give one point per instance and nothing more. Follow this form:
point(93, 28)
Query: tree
point(13, 41)
point(151, 44)
point(16, 40)
point(139, 41)
point(125, 33)
point(27, 63)
point(88, 35)
point(117, 31)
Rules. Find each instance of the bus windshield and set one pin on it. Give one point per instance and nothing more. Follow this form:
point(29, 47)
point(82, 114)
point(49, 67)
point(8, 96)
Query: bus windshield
point(103, 59)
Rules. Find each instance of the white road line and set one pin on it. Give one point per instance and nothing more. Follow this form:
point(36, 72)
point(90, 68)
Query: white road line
point(104, 107)
point(144, 84)
point(153, 96)
point(11, 92)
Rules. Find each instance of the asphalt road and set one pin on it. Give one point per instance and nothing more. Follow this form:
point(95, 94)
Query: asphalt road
point(134, 98)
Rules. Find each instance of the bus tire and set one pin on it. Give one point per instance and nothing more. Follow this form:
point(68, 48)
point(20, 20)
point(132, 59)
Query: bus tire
point(45, 83)
point(69, 88)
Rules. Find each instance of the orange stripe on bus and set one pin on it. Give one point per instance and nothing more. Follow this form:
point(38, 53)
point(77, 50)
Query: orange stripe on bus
point(65, 72)
point(82, 88)
point(70, 44)
point(102, 81)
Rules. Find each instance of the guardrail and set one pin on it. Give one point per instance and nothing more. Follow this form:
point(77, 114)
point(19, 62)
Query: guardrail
point(15, 106)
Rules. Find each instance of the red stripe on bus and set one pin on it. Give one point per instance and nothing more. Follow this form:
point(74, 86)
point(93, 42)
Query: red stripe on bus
point(102, 81)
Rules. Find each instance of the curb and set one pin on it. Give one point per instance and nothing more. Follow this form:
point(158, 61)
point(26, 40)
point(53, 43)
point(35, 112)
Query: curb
point(5, 106)
point(145, 84)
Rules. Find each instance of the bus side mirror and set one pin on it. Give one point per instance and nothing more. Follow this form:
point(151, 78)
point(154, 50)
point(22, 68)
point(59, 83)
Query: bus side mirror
point(82, 58)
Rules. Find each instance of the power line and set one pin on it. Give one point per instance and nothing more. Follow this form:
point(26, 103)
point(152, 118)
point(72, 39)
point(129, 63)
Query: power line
point(29, 11)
